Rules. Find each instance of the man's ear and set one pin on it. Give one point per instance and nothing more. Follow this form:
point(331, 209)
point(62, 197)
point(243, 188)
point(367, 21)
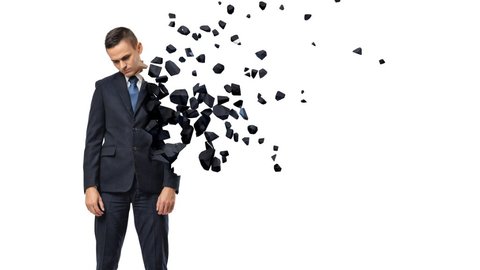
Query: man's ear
point(139, 47)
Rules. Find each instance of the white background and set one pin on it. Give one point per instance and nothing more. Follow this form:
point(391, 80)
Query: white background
point(380, 166)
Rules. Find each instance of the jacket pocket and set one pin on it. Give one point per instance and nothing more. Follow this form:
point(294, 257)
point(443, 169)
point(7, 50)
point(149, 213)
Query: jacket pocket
point(108, 151)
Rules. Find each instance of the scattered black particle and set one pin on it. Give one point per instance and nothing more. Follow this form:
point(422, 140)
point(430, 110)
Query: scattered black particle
point(228, 88)
point(235, 137)
point(275, 148)
point(228, 125)
point(303, 91)
point(217, 46)
point(201, 124)
point(219, 2)
point(206, 158)
point(303, 101)
point(193, 103)
point(246, 140)
point(218, 68)
point(201, 58)
point(262, 73)
point(172, 68)
point(194, 73)
point(154, 71)
point(234, 114)
point(282, 7)
point(248, 74)
point(236, 91)
point(216, 165)
point(235, 39)
point(254, 73)
point(337, 1)
point(277, 168)
point(252, 129)
point(196, 36)
point(183, 30)
point(182, 59)
point(358, 51)
point(189, 52)
point(245, 69)
point(248, 16)
point(307, 17)
point(238, 103)
point(262, 5)
point(230, 9)
point(171, 24)
point(179, 96)
point(243, 113)
point(215, 32)
point(171, 48)
point(157, 60)
point(279, 95)
point(261, 140)
point(205, 28)
point(209, 100)
point(171, 16)
point(274, 157)
point(222, 99)
point(210, 136)
point(229, 133)
point(261, 54)
point(261, 100)
point(222, 24)
point(221, 111)
point(381, 61)
point(313, 43)
point(162, 79)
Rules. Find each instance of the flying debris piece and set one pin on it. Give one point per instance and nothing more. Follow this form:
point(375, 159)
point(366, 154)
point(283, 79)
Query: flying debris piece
point(228, 88)
point(381, 61)
point(216, 164)
point(171, 24)
point(252, 129)
point(230, 9)
point(313, 43)
point(277, 168)
point(196, 36)
point(337, 1)
point(219, 2)
point(261, 100)
point(307, 17)
point(157, 60)
point(152, 124)
point(193, 103)
point(275, 148)
point(282, 7)
point(206, 158)
point(303, 101)
point(248, 16)
point(192, 113)
point(262, 5)
point(222, 24)
point(218, 68)
point(199, 89)
point(201, 124)
point(171, 48)
point(179, 96)
point(279, 95)
point(248, 74)
point(238, 103)
point(168, 153)
point(274, 157)
point(246, 69)
point(234, 114)
point(186, 134)
point(182, 108)
point(209, 100)
point(194, 73)
point(236, 91)
point(243, 113)
point(217, 46)
point(207, 112)
point(261, 54)
point(172, 68)
point(224, 159)
point(254, 73)
point(303, 91)
point(262, 73)
point(222, 99)
point(235, 39)
point(182, 59)
point(215, 32)
point(154, 71)
point(261, 140)
point(235, 137)
point(358, 51)
point(246, 140)
point(221, 111)
point(189, 52)
point(229, 133)
point(210, 136)
point(224, 153)
point(183, 30)
point(171, 15)
point(201, 58)
point(228, 125)
point(205, 28)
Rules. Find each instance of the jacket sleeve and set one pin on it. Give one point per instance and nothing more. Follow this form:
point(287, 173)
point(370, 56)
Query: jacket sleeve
point(94, 140)
point(171, 179)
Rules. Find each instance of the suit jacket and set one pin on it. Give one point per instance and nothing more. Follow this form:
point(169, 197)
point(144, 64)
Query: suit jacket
point(117, 148)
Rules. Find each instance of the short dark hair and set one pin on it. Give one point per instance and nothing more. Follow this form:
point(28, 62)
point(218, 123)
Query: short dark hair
point(118, 34)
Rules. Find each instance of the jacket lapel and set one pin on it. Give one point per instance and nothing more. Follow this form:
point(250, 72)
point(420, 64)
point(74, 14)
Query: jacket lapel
point(121, 85)
point(141, 96)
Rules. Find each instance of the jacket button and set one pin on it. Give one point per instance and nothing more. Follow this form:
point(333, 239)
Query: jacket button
point(134, 148)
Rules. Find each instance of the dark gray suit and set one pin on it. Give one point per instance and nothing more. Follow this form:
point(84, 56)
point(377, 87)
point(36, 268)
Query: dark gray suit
point(118, 161)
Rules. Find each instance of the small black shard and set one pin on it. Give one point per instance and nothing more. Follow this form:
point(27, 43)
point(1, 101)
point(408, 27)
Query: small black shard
point(217, 46)
point(166, 116)
point(221, 111)
point(199, 89)
point(248, 16)
point(246, 140)
point(261, 54)
point(277, 168)
point(358, 51)
point(235, 39)
point(209, 100)
point(234, 114)
point(218, 68)
point(235, 137)
point(230, 9)
point(236, 91)
point(261, 100)
point(205, 28)
point(206, 158)
point(171, 24)
point(222, 24)
point(189, 52)
point(274, 157)
point(248, 74)
point(282, 7)
point(238, 103)
point(219, 2)
point(224, 153)
point(216, 164)
point(228, 88)
point(262, 73)
point(152, 124)
point(303, 101)
point(252, 129)
point(201, 58)
point(183, 30)
point(201, 124)
point(279, 95)
point(215, 32)
point(192, 113)
point(154, 71)
point(196, 36)
point(186, 134)
point(313, 43)
point(172, 68)
point(168, 153)
point(224, 159)
point(307, 17)
point(193, 103)
point(229, 133)
point(262, 5)
point(275, 148)
point(222, 99)
point(179, 96)
point(182, 59)
point(152, 104)
point(243, 113)
point(254, 72)
point(157, 60)
point(171, 48)
point(228, 125)
point(303, 91)
point(171, 16)
point(209, 145)
point(194, 73)
point(336, 1)
point(182, 108)
point(246, 69)
point(183, 122)
point(381, 61)
point(207, 112)
point(261, 140)
point(210, 136)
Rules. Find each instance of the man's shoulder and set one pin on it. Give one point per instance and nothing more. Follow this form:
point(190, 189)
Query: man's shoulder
point(108, 79)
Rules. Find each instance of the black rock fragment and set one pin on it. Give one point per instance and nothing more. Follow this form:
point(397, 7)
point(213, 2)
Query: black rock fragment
point(192, 113)
point(275, 148)
point(182, 59)
point(381, 61)
point(235, 39)
point(216, 164)
point(234, 114)
point(224, 153)
point(222, 24)
point(157, 60)
point(209, 100)
point(168, 153)
point(194, 73)
point(254, 72)
point(238, 103)
point(246, 140)
point(228, 88)
point(274, 157)
point(261, 54)
point(235, 137)
point(222, 99)
point(215, 32)
point(236, 91)
point(313, 43)
point(261, 140)
point(218, 68)
point(171, 24)
point(248, 16)
point(193, 103)
point(217, 46)
point(221, 111)
point(154, 71)
point(230, 9)
point(261, 100)
point(172, 68)
point(171, 15)
point(207, 112)
point(196, 36)
point(277, 168)
point(229, 133)
point(183, 30)
point(171, 48)
point(282, 7)
point(307, 17)
point(262, 73)
point(189, 52)
point(336, 1)
point(303, 91)
point(201, 124)
point(201, 58)
point(358, 51)
point(262, 5)
point(303, 101)
point(179, 96)
point(252, 129)
point(279, 95)
point(186, 134)
point(243, 113)
point(228, 125)
point(205, 28)
point(206, 158)
point(210, 136)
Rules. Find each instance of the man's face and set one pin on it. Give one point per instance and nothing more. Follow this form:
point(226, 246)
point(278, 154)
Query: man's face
point(126, 58)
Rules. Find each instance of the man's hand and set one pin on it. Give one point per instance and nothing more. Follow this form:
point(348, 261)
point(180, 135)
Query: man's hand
point(94, 201)
point(166, 201)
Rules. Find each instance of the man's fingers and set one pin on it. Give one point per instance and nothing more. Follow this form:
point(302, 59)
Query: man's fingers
point(100, 202)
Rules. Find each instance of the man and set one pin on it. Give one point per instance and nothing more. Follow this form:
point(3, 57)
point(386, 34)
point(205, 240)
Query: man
point(118, 169)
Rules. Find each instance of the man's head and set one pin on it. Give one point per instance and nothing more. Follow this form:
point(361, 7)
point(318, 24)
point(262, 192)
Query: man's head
point(124, 50)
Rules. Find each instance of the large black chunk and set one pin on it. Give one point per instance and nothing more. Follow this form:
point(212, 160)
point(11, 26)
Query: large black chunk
point(186, 134)
point(168, 153)
point(262, 5)
point(261, 54)
point(179, 96)
point(209, 100)
point(279, 95)
point(230, 9)
point(218, 68)
point(221, 111)
point(222, 24)
point(238, 103)
point(193, 103)
point(215, 32)
point(234, 114)
point(307, 17)
point(206, 158)
point(246, 140)
point(172, 68)
point(262, 73)
point(157, 60)
point(201, 124)
point(277, 168)
point(183, 30)
point(188, 52)
point(243, 113)
point(216, 164)
point(201, 58)
point(171, 49)
point(210, 136)
point(205, 28)
point(252, 129)
point(254, 72)
point(261, 100)
point(358, 51)
point(222, 99)
point(236, 91)
point(154, 71)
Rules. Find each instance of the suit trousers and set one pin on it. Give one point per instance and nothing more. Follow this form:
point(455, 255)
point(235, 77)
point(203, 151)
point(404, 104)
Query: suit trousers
point(152, 229)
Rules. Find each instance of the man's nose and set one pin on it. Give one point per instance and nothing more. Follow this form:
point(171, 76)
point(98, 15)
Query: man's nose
point(123, 65)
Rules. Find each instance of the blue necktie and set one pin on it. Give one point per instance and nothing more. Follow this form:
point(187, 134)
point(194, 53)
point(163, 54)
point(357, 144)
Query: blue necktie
point(133, 90)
